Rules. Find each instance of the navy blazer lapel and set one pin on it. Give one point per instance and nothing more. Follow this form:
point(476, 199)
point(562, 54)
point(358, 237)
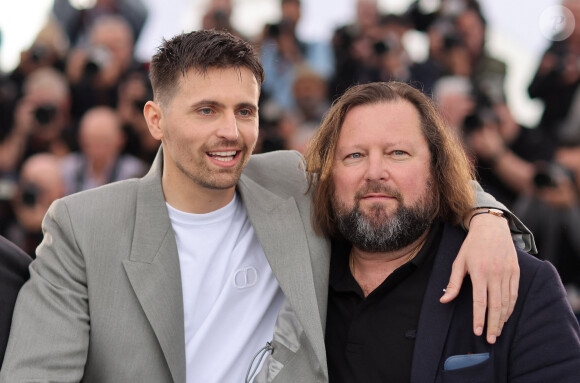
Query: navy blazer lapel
point(153, 270)
point(435, 317)
point(280, 230)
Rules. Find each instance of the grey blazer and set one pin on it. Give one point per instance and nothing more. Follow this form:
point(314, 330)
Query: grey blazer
point(104, 301)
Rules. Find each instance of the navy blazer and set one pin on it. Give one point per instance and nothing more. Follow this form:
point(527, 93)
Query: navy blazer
point(13, 273)
point(539, 343)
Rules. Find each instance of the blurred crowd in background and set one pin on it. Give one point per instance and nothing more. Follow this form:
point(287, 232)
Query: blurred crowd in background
point(71, 112)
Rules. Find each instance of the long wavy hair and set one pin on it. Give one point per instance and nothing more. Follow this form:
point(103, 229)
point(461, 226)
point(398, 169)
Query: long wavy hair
point(450, 167)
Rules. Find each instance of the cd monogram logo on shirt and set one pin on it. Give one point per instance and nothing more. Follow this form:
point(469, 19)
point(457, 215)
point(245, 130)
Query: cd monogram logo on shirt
point(246, 277)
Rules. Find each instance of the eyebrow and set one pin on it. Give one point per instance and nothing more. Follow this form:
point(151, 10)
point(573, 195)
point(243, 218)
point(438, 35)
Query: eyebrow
point(352, 147)
point(249, 106)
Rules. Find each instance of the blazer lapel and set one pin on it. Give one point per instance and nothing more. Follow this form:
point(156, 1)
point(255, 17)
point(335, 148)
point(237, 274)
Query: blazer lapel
point(435, 317)
point(153, 270)
point(280, 230)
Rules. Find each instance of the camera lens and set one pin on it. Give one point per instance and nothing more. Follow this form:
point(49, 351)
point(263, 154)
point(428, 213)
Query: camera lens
point(98, 58)
point(45, 113)
point(544, 180)
point(91, 68)
point(29, 195)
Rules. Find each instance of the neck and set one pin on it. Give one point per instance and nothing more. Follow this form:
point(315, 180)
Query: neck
point(371, 269)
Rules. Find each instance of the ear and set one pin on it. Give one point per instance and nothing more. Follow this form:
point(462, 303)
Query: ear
point(153, 115)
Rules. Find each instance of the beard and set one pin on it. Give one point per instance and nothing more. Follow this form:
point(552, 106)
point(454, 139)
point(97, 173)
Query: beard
point(378, 231)
point(209, 177)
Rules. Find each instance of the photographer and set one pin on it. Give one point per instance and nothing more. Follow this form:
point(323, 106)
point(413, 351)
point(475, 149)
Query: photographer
point(519, 166)
point(443, 45)
point(282, 53)
point(39, 185)
point(134, 91)
point(99, 161)
point(354, 53)
point(218, 16)
point(95, 70)
point(41, 121)
point(48, 49)
point(557, 85)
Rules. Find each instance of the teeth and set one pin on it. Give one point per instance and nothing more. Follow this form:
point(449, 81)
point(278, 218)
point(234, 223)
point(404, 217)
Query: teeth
point(223, 154)
point(223, 159)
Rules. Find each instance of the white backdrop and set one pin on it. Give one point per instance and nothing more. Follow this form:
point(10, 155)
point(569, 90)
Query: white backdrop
point(514, 32)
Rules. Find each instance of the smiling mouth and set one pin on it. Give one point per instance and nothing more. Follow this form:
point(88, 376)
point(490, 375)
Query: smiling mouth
point(224, 156)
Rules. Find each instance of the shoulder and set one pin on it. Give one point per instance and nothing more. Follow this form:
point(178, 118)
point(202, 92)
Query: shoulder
point(277, 168)
point(278, 161)
point(111, 193)
point(537, 274)
point(13, 261)
point(281, 173)
point(82, 221)
point(113, 199)
point(541, 295)
point(530, 265)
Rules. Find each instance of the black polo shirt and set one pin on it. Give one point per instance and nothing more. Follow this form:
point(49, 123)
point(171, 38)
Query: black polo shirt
point(372, 339)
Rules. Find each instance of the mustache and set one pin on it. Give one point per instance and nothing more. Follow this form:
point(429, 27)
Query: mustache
point(223, 143)
point(377, 187)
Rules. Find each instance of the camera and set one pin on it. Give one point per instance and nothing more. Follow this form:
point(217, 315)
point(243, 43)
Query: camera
point(548, 173)
point(479, 118)
point(544, 180)
point(45, 114)
point(284, 27)
point(29, 195)
point(381, 47)
point(98, 58)
point(452, 40)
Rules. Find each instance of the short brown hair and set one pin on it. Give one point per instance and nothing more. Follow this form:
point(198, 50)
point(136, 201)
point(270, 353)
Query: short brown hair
point(199, 50)
point(451, 170)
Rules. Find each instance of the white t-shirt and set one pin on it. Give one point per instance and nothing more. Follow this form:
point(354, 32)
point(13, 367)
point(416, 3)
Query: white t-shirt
point(231, 298)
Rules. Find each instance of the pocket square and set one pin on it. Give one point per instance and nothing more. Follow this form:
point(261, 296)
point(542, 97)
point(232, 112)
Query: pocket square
point(456, 362)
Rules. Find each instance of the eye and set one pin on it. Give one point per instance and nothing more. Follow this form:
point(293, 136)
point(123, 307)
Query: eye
point(246, 112)
point(205, 111)
point(353, 157)
point(399, 153)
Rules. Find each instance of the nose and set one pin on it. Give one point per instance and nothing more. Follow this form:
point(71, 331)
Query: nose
point(229, 128)
point(376, 168)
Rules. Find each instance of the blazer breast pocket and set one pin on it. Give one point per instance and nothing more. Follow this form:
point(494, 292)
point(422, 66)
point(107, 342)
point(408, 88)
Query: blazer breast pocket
point(473, 368)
